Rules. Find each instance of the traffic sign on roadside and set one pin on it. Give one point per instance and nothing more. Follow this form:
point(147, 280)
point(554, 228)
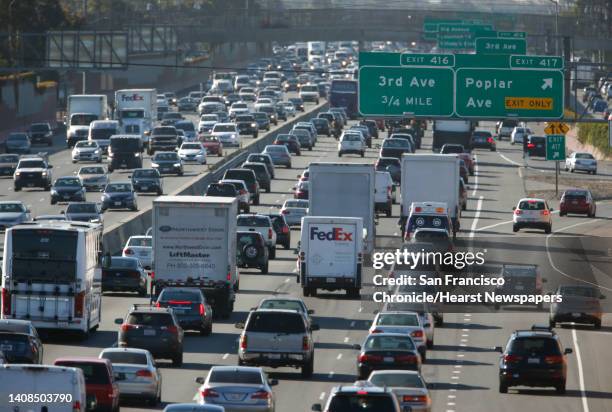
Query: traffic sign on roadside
point(556, 128)
point(512, 34)
point(555, 147)
point(536, 62)
point(489, 45)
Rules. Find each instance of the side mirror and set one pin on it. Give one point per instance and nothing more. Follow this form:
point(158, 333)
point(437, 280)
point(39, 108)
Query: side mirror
point(118, 321)
point(63, 212)
point(498, 349)
point(316, 407)
point(314, 327)
point(567, 351)
point(50, 166)
point(356, 346)
point(273, 382)
point(239, 325)
point(310, 311)
point(199, 380)
point(550, 209)
point(513, 208)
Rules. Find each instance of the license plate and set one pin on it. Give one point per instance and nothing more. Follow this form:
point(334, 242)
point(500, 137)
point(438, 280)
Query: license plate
point(274, 356)
point(576, 315)
point(407, 409)
point(388, 359)
point(330, 280)
point(117, 203)
point(149, 332)
point(123, 164)
point(144, 187)
point(234, 396)
point(179, 310)
point(7, 348)
point(62, 324)
point(574, 202)
point(533, 360)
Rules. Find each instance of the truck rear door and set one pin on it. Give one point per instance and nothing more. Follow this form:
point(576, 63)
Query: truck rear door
point(39, 302)
point(331, 250)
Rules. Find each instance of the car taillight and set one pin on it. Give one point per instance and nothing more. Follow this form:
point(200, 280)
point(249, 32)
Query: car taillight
point(545, 212)
point(269, 233)
point(144, 373)
point(406, 358)
point(305, 343)
point(172, 329)
point(415, 398)
point(202, 310)
point(417, 334)
point(490, 140)
point(126, 326)
point(370, 358)
point(157, 305)
point(243, 342)
point(530, 145)
point(377, 331)
point(512, 358)
point(152, 275)
point(261, 395)
point(179, 302)
point(553, 360)
point(79, 303)
point(209, 393)
point(6, 302)
point(284, 212)
point(76, 406)
point(285, 230)
point(518, 212)
point(128, 252)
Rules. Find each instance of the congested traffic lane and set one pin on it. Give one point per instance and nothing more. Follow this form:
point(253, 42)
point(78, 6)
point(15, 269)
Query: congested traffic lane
point(461, 375)
point(38, 200)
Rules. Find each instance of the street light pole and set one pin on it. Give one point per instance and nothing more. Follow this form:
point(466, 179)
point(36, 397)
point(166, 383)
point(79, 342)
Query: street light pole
point(10, 30)
point(556, 2)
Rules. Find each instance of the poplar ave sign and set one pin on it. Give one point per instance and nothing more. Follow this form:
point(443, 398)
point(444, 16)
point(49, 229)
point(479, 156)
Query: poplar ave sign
point(461, 85)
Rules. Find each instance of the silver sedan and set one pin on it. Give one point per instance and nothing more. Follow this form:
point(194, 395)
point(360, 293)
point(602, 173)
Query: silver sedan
point(294, 210)
point(237, 389)
point(136, 373)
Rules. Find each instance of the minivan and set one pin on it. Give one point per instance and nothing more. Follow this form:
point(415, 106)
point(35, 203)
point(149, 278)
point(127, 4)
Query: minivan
point(249, 177)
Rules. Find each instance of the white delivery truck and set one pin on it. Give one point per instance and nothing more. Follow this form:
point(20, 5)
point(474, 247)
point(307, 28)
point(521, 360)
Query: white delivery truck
point(330, 254)
point(136, 110)
point(452, 132)
point(194, 244)
point(431, 178)
point(82, 109)
point(344, 190)
point(43, 388)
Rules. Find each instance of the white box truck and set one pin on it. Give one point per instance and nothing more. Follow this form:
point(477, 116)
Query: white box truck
point(194, 244)
point(344, 190)
point(431, 178)
point(136, 110)
point(452, 132)
point(330, 254)
point(82, 109)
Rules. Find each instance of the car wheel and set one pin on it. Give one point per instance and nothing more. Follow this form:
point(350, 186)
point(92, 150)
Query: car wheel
point(264, 269)
point(17, 188)
point(566, 168)
point(180, 173)
point(308, 368)
point(560, 389)
point(430, 344)
point(310, 149)
point(53, 202)
point(142, 292)
point(256, 201)
point(339, 154)
point(289, 166)
point(552, 323)
point(503, 388)
point(273, 252)
point(134, 208)
point(287, 245)
point(177, 361)
point(572, 170)
point(388, 212)
point(597, 324)
point(515, 228)
point(362, 154)
point(548, 229)
point(160, 192)
point(562, 213)
point(206, 331)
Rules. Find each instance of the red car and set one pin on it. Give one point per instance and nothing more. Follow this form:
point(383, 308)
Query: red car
point(578, 201)
point(99, 380)
point(212, 144)
point(301, 190)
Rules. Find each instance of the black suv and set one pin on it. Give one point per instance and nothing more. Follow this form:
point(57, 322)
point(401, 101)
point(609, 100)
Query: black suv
point(282, 229)
point(262, 158)
point(251, 251)
point(261, 174)
point(536, 146)
point(155, 329)
point(190, 308)
point(221, 189)
point(533, 358)
point(247, 125)
point(391, 165)
point(249, 178)
point(20, 342)
point(124, 152)
point(41, 133)
point(163, 138)
point(32, 172)
point(147, 180)
point(520, 280)
point(352, 398)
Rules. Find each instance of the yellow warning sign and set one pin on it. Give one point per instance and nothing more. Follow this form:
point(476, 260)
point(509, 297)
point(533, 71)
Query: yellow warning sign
point(556, 128)
point(529, 103)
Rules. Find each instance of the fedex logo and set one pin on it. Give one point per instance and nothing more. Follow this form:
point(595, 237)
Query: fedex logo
point(337, 234)
point(132, 98)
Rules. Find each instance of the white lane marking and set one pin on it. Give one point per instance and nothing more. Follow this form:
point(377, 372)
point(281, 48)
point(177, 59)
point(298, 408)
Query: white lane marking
point(41, 200)
point(454, 377)
point(460, 355)
point(453, 390)
point(476, 216)
point(339, 356)
point(465, 330)
point(457, 372)
point(462, 345)
point(451, 396)
point(287, 280)
point(322, 396)
point(360, 309)
point(507, 159)
point(585, 404)
point(475, 177)
point(346, 339)
point(465, 335)
point(458, 366)
point(464, 340)
point(450, 404)
point(225, 356)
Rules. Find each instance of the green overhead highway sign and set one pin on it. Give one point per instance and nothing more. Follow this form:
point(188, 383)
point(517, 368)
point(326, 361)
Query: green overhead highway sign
point(512, 34)
point(397, 91)
point(536, 62)
point(490, 45)
point(455, 44)
point(501, 93)
point(424, 59)
point(449, 28)
point(555, 147)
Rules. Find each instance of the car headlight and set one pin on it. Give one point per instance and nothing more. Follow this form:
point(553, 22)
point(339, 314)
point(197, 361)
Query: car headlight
point(154, 164)
point(53, 191)
point(44, 173)
point(17, 173)
point(105, 196)
point(177, 165)
point(233, 136)
point(253, 124)
point(136, 154)
point(97, 151)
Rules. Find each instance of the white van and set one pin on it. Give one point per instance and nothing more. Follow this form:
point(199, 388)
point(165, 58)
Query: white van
point(102, 130)
point(384, 193)
point(56, 388)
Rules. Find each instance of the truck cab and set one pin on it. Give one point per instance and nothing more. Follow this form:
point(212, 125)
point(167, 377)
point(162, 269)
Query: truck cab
point(125, 152)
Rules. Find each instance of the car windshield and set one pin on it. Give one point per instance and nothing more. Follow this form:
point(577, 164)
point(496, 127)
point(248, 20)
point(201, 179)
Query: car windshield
point(578, 291)
point(9, 158)
point(41, 127)
point(248, 238)
point(86, 143)
point(119, 187)
point(390, 379)
point(399, 143)
point(361, 403)
point(278, 149)
point(531, 205)
point(118, 262)
point(14, 344)
point(226, 190)
point(533, 346)
point(165, 156)
point(82, 208)
point(209, 118)
point(224, 128)
point(244, 118)
point(253, 221)
point(17, 137)
point(238, 377)
point(257, 159)
point(32, 164)
point(141, 241)
point(132, 358)
point(388, 162)
point(351, 137)
point(398, 319)
point(481, 134)
point(158, 131)
point(239, 106)
point(69, 181)
point(11, 208)
point(282, 304)
point(584, 156)
point(191, 146)
point(180, 295)
point(173, 115)
point(146, 173)
point(431, 236)
point(537, 139)
point(271, 322)
point(389, 343)
point(186, 126)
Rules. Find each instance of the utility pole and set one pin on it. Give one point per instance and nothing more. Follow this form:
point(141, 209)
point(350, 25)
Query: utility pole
point(556, 3)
